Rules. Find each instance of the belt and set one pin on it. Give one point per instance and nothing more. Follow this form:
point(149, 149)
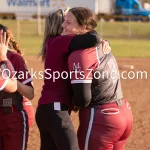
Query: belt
point(118, 102)
point(6, 110)
point(58, 106)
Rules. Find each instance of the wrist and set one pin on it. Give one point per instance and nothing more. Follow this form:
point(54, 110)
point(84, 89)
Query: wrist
point(2, 58)
point(76, 107)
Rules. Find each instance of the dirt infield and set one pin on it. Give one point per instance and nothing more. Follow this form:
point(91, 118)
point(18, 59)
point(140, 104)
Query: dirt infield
point(136, 91)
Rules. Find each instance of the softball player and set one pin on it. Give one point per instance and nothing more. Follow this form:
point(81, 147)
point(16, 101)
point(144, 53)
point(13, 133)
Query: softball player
point(10, 84)
point(52, 116)
point(105, 116)
point(14, 117)
point(27, 105)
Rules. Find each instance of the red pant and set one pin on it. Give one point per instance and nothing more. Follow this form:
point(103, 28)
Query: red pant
point(29, 110)
point(106, 127)
point(13, 131)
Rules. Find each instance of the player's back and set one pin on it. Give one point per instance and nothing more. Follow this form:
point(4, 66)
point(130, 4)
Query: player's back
point(57, 87)
point(99, 70)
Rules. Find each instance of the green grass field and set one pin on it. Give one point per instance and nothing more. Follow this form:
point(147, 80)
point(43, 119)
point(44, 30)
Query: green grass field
point(128, 39)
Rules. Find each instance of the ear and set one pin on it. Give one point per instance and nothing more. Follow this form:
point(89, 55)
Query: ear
point(84, 27)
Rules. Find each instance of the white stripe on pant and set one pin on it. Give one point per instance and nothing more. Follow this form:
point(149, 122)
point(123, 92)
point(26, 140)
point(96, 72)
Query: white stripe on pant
point(25, 129)
point(89, 129)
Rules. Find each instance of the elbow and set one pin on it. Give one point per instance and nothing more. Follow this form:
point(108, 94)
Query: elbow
point(81, 103)
point(31, 95)
point(12, 90)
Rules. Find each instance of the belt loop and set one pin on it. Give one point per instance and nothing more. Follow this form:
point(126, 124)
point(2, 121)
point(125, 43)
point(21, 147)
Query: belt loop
point(119, 102)
point(57, 106)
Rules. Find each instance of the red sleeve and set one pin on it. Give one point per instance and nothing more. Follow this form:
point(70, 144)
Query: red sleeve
point(81, 65)
point(22, 73)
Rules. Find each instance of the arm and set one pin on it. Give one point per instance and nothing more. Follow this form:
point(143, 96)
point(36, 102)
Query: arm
point(24, 79)
point(90, 39)
point(81, 77)
point(7, 83)
point(25, 90)
point(83, 41)
point(81, 94)
point(70, 43)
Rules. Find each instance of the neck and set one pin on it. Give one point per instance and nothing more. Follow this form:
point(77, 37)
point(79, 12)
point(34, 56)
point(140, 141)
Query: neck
point(84, 31)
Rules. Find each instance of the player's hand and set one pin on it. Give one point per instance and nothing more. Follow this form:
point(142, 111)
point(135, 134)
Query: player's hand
point(3, 45)
point(76, 109)
point(105, 47)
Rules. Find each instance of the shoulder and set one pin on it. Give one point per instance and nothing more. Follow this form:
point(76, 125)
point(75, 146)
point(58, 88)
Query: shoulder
point(63, 39)
point(86, 58)
point(60, 37)
point(14, 55)
point(60, 43)
point(50, 39)
point(15, 58)
point(83, 53)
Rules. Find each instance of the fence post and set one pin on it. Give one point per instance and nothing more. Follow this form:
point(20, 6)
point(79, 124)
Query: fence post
point(129, 29)
point(18, 30)
point(38, 18)
point(101, 27)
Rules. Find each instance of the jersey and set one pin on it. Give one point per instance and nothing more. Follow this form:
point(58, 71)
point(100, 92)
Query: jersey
point(95, 80)
point(56, 89)
point(20, 70)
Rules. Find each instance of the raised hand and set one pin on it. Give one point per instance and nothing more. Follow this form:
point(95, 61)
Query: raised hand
point(3, 45)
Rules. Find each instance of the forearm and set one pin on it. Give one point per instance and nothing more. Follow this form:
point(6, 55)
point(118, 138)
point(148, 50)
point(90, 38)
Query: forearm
point(25, 90)
point(8, 83)
point(83, 41)
point(81, 95)
point(80, 102)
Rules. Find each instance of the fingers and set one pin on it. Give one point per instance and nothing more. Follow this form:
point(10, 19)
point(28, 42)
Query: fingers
point(3, 38)
point(8, 39)
point(106, 47)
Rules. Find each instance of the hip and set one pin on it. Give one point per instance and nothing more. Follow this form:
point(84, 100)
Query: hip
point(53, 116)
point(48, 100)
point(118, 109)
